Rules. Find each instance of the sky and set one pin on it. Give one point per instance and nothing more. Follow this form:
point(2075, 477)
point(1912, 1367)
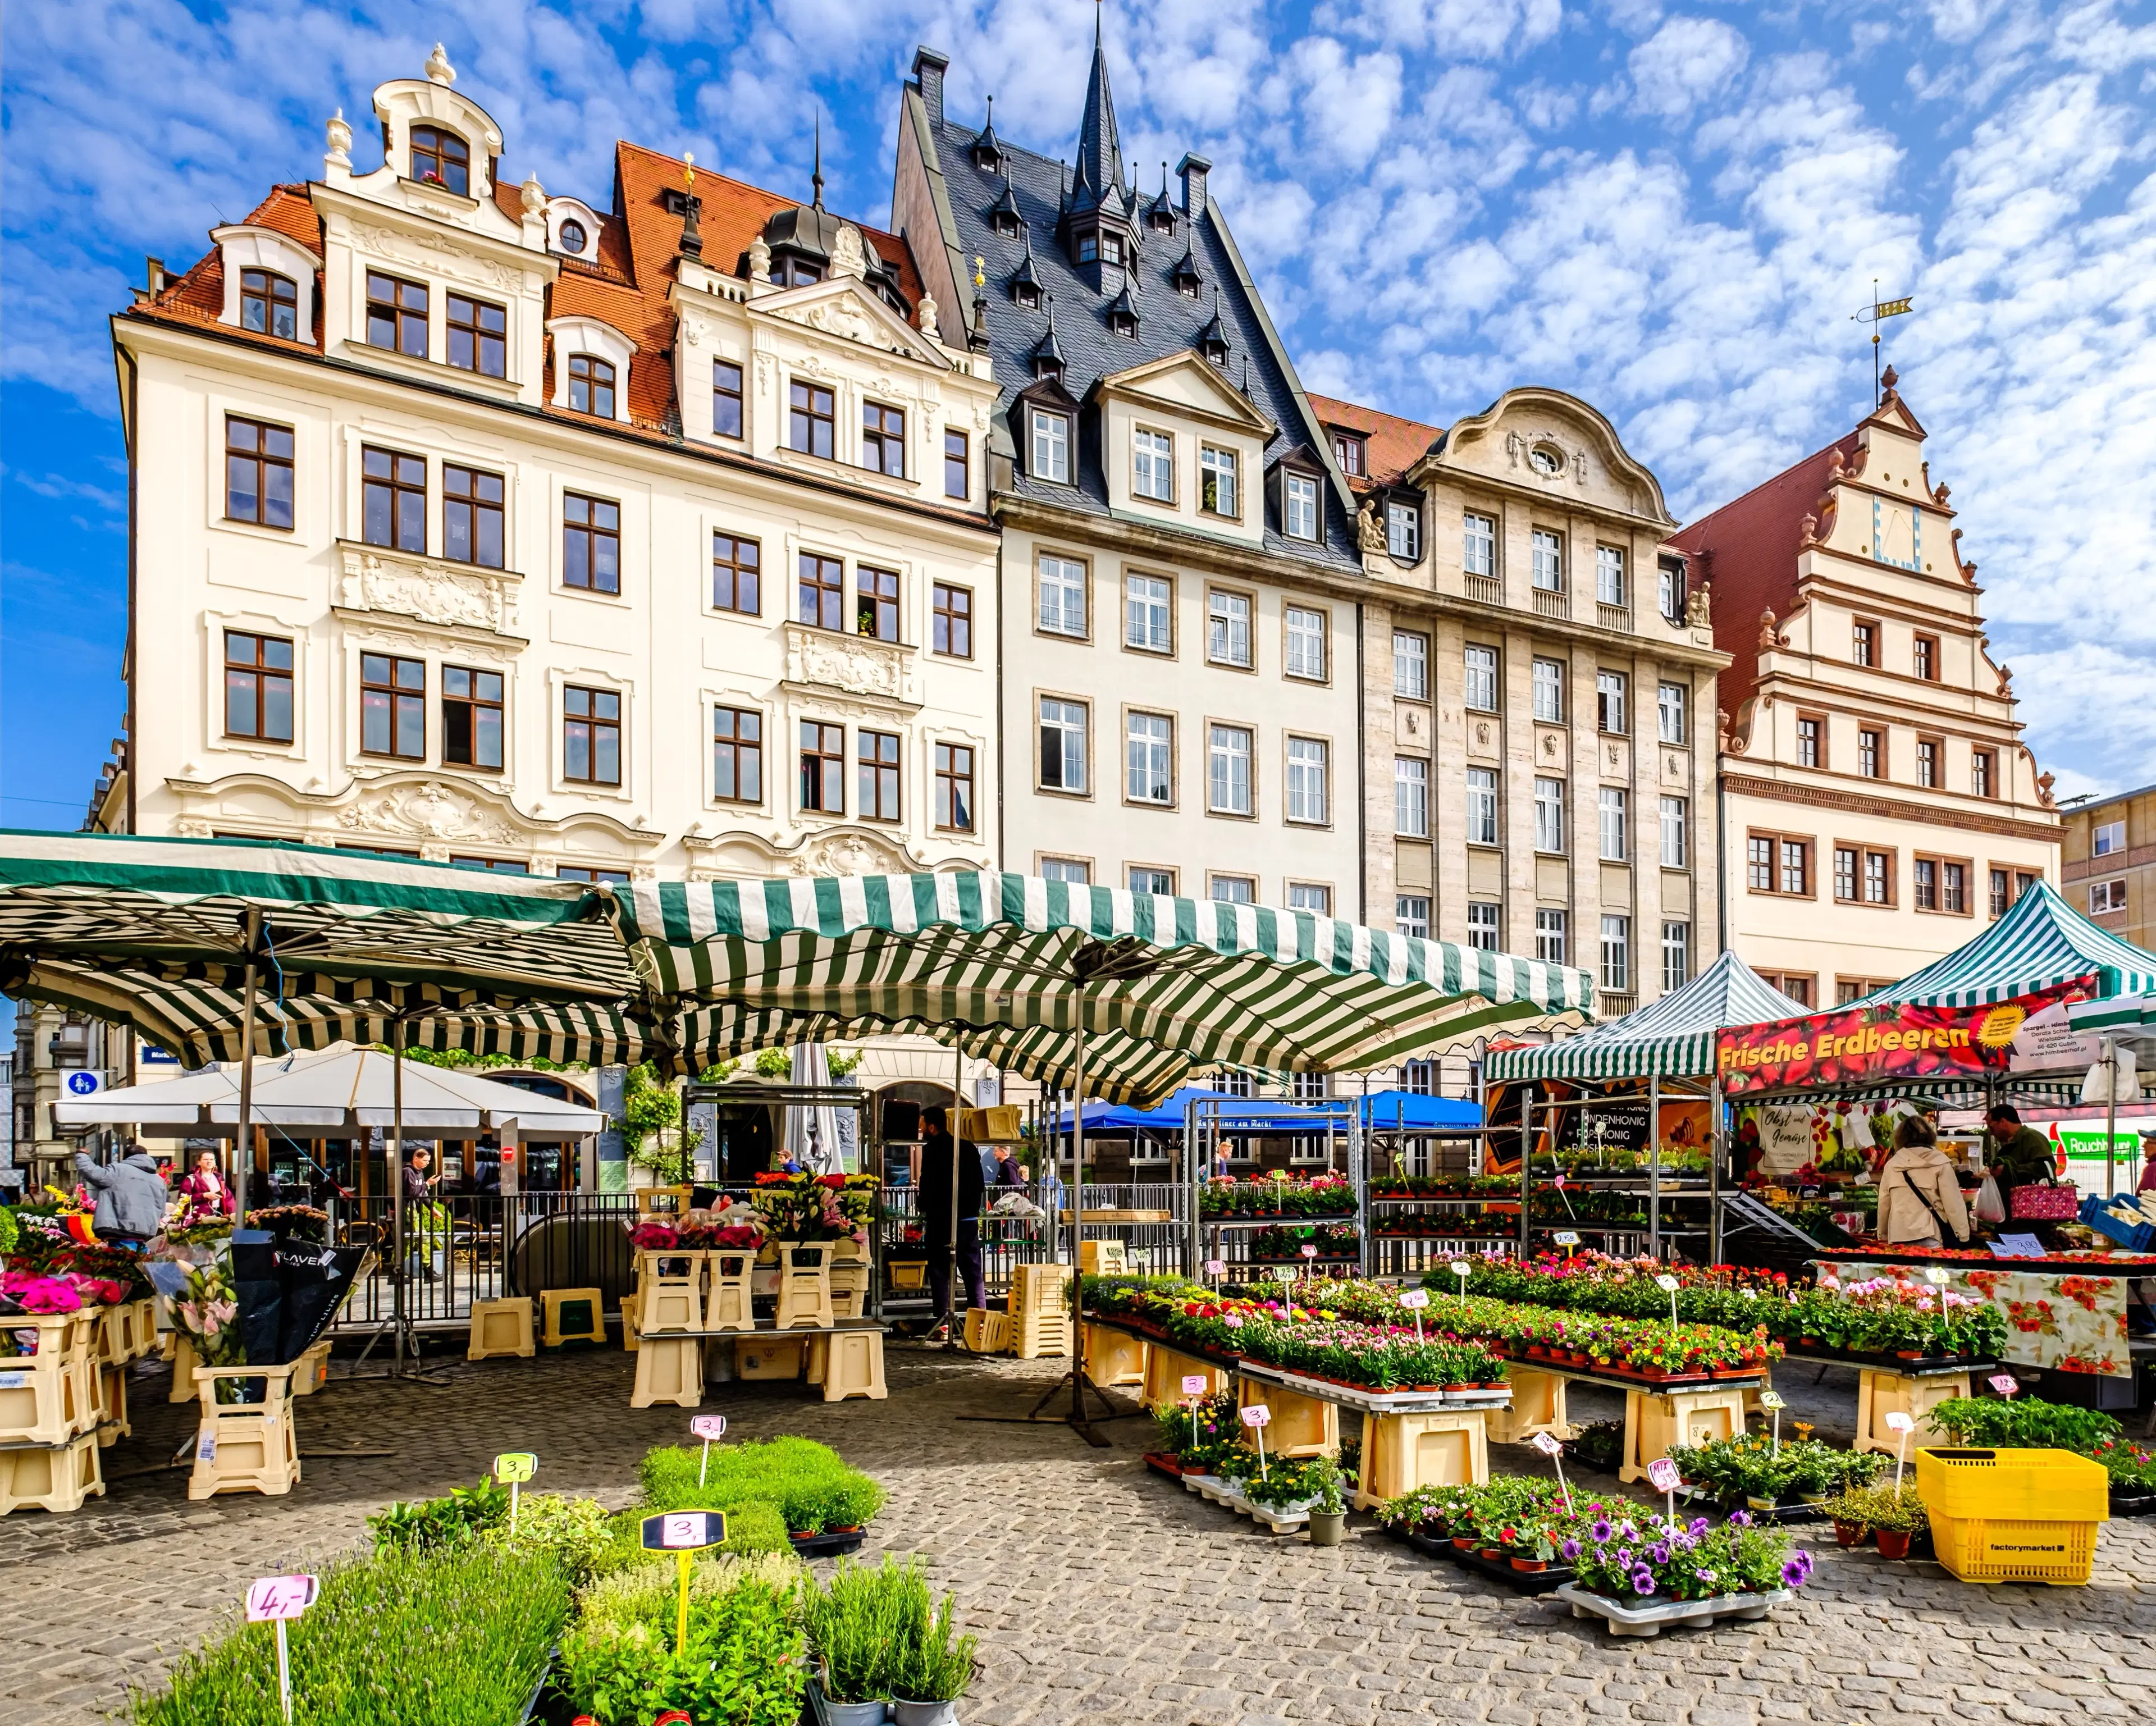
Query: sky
point(1672, 211)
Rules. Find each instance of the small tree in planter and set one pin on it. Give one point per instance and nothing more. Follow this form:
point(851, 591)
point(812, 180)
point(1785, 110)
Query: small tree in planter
point(1328, 1506)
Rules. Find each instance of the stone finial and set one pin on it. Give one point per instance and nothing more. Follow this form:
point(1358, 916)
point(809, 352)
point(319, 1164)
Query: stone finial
point(1767, 640)
point(759, 261)
point(928, 317)
point(1888, 379)
point(534, 195)
point(339, 130)
point(439, 68)
point(2044, 782)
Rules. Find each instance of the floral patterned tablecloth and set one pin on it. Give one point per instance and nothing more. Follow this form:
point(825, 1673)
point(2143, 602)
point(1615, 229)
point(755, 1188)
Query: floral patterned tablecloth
point(2064, 1318)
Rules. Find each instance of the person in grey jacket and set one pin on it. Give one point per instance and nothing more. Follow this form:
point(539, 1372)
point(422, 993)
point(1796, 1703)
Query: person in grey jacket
point(132, 1196)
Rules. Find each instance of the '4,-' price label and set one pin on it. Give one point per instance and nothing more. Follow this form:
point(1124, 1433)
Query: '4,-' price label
point(270, 1598)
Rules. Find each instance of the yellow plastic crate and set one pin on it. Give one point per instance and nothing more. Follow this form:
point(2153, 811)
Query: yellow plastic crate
point(1977, 1549)
point(2011, 1486)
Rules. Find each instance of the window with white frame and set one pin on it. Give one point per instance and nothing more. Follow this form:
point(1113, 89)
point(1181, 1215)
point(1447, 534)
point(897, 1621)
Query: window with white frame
point(1066, 869)
point(1482, 806)
point(1227, 770)
point(1307, 792)
point(1299, 510)
point(1228, 629)
point(1611, 702)
point(1609, 575)
point(1232, 890)
point(1306, 642)
point(1549, 936)
point(1051, 446)
point(1610, 805)
point(1152, 465)
point(1616, 953)
point(1482, 925)
point(1062, 595)
point(1148, 613)
point(2107, 897)
point(1478, 544)
point(1677, 833)
point(1547, 560)
point(1148, 757)
point(1481, 691)
point(1217, 473)
point(1410, 666)
point(2107, 838)
point(1158, 883)
point(1549, 691)
point(1676, 954)
point(1670, 704)
point(1410, 797)
point(1411, 915)
point(1419, 1078)
point(1311, 896)
point(1062, 745)
point(1404, 531)
point(1549, 815)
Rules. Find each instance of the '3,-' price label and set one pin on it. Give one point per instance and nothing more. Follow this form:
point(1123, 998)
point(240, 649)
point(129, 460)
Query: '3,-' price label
point(1257, 1415)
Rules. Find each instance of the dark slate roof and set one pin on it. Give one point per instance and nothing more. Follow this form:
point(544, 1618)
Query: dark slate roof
point(1169, 323)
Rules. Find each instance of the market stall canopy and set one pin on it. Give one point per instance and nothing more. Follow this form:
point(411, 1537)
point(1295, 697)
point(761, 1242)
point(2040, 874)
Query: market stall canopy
point(150, 933)
point(1237, 1114)
point(2040, 943)
point(1412, 1111)
point(339, 1092)
point(1007, 966)
point(1673, 1036)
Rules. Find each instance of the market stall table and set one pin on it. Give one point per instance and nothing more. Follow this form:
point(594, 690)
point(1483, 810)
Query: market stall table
point(845, 1358)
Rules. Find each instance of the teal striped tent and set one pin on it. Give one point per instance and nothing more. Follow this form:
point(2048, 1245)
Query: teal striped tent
point(2041, 943)
point(1117, 994)
point(1673, 1037)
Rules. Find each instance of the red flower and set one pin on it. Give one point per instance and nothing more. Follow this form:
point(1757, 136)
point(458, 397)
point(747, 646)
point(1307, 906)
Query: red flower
point(836, 1183)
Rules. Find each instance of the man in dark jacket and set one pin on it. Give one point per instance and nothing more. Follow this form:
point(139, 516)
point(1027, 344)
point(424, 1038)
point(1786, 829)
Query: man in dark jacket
point(939, 1153)
point(2020, 1156)
point(131, 1194)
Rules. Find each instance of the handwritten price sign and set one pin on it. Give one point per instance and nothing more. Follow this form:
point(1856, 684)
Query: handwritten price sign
point(684, 1530)
point(1414, 1299)
point(2005, 1383)
point(1257, 1415)
point(1194, 1385)
point(1547, 1445)
point(515, 1468)
point(1663, 1475)
point(710, 1428)
point(1771, 1399)
point(1566, 1237)
point(273, 1598)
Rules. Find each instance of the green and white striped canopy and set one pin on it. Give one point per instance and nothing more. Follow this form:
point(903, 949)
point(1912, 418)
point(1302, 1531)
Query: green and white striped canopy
point(150, 932)
point(2041, 943)
point(1673, 1036)
point(1007, 966)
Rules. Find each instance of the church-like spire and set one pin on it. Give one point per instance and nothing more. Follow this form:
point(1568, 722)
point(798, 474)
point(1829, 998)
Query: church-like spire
point(816, 179)
point(1100, 152)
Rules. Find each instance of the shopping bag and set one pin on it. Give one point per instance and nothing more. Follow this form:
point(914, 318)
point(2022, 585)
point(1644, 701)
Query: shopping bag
point(1991, 1208)
point(2045, 1202)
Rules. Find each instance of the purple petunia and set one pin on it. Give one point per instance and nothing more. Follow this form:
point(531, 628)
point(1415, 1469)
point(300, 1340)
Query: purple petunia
point(1659, 1552)
point(1600, 1531)
point(1571, 1550)
point(1624, 1558)
point(1643, 1581)
point(1740, 1519)
point(1797, 1571)
point(1698, 1526)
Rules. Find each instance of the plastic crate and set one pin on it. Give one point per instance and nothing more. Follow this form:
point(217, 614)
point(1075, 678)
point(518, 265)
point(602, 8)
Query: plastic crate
point(2012, 1485)
point(1978, 1550)
point(2128, 1231)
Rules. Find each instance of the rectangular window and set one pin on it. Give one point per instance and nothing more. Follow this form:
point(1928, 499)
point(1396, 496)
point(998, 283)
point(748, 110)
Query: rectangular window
point(1797, 988)
point(1152, 465)
point(1062, 745)
point(1067, 869)
point(811, 419)
point(471, 717)
point(2106, 896)
point(472, 516)
point(1671, 594)
point(591, 543)
point(1300, 513)
point(2107, 839)
point(1759, 863)
point(1410, 797)
point(393, 707)
point(1670, 705)
point(1864, 644)
point(1924, 657)
point(1153, 883)
point(1228, 629)
point(1929, 750)
point(1411, 665)
point(479, 337)
point(392, 498)
point(578, 871)
point(1148, 613)
point(1878, 878)
point(1867, 753)
point(1548, 560)
point(1796, 866)
point(1611, 702)
point(1617, 953)
point(1478, 545)
point(736, 574)
point(395, 314)
point(883, 439)
point(1306, 643)
point(1347, 451)
point(2001, 893)
point(1308, 794)
point(726, 399)
point(1809, 732)
point(954, 788)
point(1609, 807)
point(1953, 888)
point(821, 595)
point(1677, 955)
point(498, 866)
point(957, 465)
point(1411, 915)
point(823, 768)
point(1845, 873)
point(1609, 575)
point(876, 785)
point(258, 687)
point(1549, 937)
point(736, 755)
point(951, 620)
point(1677, 833)
point(1549, 691)
point(1227, 770)
point(257, 472)
point(1062, 596)
point(1924, 873)
point(1482, 679)
point(1549, 815)
point(1482, 925)
point(1148, 758)
point(1403, 532)
point(1982, 772)
point(1232, 890)
point(269, 304)
point(590, 736)
point(1482, 806)
point(875, 603)
point(1051, 447)
point(1310, 897)
point(591, 385)
point(1217, 495)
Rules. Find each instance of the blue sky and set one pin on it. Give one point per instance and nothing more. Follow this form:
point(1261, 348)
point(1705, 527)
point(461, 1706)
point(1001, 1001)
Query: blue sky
point(1671, 210)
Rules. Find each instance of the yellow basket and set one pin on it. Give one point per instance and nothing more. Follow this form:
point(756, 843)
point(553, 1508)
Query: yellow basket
point(2011, 1486)
point(1977, 1549)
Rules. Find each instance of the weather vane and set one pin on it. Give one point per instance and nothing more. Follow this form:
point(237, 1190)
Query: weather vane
point(1874, 314)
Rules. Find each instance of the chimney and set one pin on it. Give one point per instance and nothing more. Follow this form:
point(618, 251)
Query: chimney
point(1194, 170)
point(928, 69)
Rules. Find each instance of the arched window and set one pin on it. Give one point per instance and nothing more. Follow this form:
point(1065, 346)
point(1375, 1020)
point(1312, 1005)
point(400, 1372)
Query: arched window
point(572, 237)
point(591, 385)
point(268, 303)
point(441, 156)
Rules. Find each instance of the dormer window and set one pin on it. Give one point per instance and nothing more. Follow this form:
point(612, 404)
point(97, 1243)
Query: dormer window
point(1160, 220)
point(572, 237)
point(1111, 248)
point(1215, 350)
point(591, 385)
point(1186, 277)
point(1299, 506)
point(795, 272)
point(268, 303)
point(1006, 224)
point(441, 158)
point(1026, 293)
point(1047, 369)
point(1347, 451)
point(1123, 323)
point(1089, 247)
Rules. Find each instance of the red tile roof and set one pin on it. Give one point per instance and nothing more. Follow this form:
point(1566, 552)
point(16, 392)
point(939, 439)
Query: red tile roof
point(1391, 444)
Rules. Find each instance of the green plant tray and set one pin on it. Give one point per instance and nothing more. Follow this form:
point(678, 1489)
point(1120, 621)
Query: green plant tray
point(1527, 1582)
point(824, 1546)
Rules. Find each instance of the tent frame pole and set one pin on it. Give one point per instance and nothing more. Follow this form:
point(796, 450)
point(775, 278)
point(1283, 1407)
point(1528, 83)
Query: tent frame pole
point(1655, 1162)
point(243, 1153)
point(951, 1327)
point(1719, 1136)
point(396, 1190)
point(2110, 1114)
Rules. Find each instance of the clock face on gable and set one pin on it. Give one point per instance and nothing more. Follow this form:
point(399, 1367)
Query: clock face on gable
point(1897, 534)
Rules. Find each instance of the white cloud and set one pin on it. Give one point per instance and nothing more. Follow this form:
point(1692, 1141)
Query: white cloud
point(1688, 61)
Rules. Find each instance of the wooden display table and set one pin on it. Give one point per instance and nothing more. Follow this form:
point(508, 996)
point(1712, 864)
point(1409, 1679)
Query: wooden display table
point(1913, 1388)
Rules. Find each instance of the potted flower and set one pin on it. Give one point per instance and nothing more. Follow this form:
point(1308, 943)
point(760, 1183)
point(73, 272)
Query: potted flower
point(1328, 1508)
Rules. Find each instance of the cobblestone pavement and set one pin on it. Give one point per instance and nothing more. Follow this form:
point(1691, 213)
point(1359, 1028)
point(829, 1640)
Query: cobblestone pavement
point(1101, 1593)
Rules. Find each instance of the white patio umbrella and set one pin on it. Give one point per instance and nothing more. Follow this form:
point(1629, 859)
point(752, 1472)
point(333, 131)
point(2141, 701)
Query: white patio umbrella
point(812, 1133)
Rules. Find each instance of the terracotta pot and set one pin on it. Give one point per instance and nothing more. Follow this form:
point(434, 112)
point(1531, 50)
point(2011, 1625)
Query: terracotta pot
point(1908, 1354)
point(1849, 1534)
point(1530, 1565)
point(1893, 1544)
point(843, 1528)
point(1493, 1554)
point(1463, 1543)
point(1459, 1387)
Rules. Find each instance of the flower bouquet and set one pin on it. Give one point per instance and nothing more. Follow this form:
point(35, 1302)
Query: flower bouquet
point(207, 1313)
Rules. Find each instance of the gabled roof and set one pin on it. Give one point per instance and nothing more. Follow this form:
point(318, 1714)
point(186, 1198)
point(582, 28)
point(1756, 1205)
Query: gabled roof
point(1673, 1036)
point(2041, 943)
point(1229, 402)
point(1391, 444)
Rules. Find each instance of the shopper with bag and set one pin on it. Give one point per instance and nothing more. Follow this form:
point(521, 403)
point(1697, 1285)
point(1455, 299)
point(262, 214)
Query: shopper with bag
point(1920, 1200)
point(2019, 1156)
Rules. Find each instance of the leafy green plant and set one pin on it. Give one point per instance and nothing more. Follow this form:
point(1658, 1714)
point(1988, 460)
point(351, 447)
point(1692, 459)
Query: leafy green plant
point(742, 1666)
point(2024, 1423)
point(1326, 1486)
point(451, 1636)
point(575, 1533)
point(805, 1482)
point(774, 1063)
point(423, 1524)
point(1880, 1509)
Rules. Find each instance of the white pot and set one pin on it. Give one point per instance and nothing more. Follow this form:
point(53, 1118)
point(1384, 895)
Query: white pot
point(925, 1713)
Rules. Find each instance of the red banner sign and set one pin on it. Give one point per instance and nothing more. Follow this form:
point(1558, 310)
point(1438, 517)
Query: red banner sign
point(1868, 1046)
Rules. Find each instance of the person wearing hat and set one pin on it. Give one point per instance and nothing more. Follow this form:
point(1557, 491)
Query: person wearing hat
point(2148, 1181)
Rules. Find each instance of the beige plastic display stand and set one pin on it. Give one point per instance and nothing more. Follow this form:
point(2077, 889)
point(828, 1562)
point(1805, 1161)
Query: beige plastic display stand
point(1300, 1426)
point(849, 1288)
point(804, 1286)
point(248, 1446)
point(1882, 1393)
point(765, 1356)
point(669, 1291)
point(184, 1362)
point(631, 1319)
point(1654, 1421)
point(557, 1298)
point(987, 1333)
point(1448, 1447)
point(669, 1369)
point(1113, 1357)
point(311, 1371)
point(728, 1304)
point(501, 1326)
point(51, 1394)
point(1040, 1310)
point(848, 1363)
point(55, 1477)
point(1103, 1258)
point(1537, 1406)
point(1166, 1370)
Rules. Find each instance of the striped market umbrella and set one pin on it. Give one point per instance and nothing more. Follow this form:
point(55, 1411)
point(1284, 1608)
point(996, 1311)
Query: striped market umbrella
point(1673, 1036)
point(2040, 943)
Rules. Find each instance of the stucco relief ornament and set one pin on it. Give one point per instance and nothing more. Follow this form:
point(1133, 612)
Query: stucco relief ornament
point(429, 809)
point(340, 136)
point(1482, 735)
point(1369, 530)
point(1699, 607)
point(928, 317)
point(1516, 446)
point(433, 596)
point(1549, 746)
point(847, 667)
point(837, 317)
point(848, 257)
point(1613, 755)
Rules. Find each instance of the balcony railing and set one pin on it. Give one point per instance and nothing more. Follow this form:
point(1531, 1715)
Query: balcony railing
point(1548, 603)
point(1485, 590)
point(1615, 618)
point(1610, 1004)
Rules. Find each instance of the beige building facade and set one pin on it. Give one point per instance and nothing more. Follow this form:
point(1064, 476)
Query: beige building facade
point(2108, 862)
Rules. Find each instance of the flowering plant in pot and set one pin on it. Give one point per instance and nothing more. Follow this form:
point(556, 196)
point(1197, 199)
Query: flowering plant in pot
point(1636, 1557)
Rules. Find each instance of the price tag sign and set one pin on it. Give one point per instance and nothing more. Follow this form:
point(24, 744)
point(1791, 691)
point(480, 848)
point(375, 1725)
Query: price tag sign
point(1414, 1299)
point(515, 1468)
point(1216, 1267)
point(1899, 1422)
point(1771, 1400)
point(1284, 1273)
point(1666, 1283)
point(2005, 1383)
point(1547, 1445)
point(1461, 1269)
point(14, 1381)
point(1194, 1385)
point(708, 1427)
point(1936, 1274)
point(1663, 1475)
point(684, 1530)
point(1567, 1237)
point(1257, 1415)
point(273, 1598)
point(1309, 1251)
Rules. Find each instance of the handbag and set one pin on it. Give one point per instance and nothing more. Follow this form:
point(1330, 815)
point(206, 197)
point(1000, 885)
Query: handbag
point(1946, 1232)
point(2050, 1200)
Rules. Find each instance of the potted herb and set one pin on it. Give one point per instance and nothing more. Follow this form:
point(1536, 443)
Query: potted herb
point(1328, 1508)
point(933, 1667)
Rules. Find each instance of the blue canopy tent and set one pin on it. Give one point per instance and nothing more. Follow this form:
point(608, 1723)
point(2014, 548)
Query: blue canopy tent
point(1411, 1112)
point(1237, 1113)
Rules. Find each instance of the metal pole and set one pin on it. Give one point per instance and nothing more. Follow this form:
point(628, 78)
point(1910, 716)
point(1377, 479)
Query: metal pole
point(1655, 1162)
point(1194, 1241)
point(397, 1187)
point(950, 1281)
point(244, 1146)
point(2110, 1111)
point(1721, 1140)
point(1077, 1209)
point(1527, 1156)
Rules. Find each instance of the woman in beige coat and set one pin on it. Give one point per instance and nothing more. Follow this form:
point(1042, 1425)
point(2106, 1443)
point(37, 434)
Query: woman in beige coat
point(1917, 1191)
